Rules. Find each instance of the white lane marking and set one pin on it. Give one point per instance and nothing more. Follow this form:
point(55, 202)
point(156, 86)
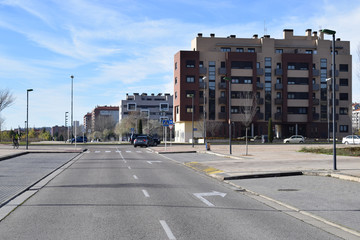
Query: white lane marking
point(108, 151)
point(167, 230)
point(139, 151)
point(121, 156)
point(151, 162)
point(128, 151)
point(135, 177)
point(97, 151)
point(145, 193)
point(129, 167)
point(213, 193)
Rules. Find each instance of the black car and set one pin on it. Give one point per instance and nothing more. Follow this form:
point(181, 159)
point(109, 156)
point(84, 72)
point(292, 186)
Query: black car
point(143, 141)
point(79, 139)
point(133, 137)
point(156, 141)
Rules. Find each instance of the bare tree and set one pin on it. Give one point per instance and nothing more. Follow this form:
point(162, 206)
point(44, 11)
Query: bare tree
point(248, 113)
point(6, 99)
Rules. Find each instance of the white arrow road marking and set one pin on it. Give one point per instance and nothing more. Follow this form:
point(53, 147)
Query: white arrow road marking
point(167, 230)
point(151, 162)
point(145, 193)
point(135, 177)
point(213, 193)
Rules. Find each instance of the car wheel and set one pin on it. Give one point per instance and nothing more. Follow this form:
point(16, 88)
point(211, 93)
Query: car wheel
point(135, 146)
point(287, 142)
point(346, 143)
point(301, 142)
point(155, 143)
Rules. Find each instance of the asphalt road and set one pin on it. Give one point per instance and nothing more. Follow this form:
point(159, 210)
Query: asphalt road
point(126, 193)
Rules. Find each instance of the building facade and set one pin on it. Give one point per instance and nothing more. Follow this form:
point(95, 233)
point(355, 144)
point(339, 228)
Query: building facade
point(154, 107)
point(103, 117)
point(356, 117)
point(287, 77)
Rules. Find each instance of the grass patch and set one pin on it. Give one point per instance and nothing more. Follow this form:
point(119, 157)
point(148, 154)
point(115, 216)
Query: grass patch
point(347, 151)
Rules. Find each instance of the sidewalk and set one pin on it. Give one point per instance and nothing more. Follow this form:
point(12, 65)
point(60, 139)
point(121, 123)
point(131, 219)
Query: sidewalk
point(274, 159)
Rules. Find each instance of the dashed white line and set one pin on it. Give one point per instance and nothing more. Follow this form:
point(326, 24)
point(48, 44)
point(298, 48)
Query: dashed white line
point(167, 230)
point(108, 151)
point(135, 177)
point(128, 151)
point(97, 151)
point(121, 156)
point(145, 193)
point(129, 167)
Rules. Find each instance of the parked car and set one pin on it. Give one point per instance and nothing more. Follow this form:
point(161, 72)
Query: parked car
point(156, 141)
point(143, 141)
point(295, 139)
point(79, 139)
point(351, 139)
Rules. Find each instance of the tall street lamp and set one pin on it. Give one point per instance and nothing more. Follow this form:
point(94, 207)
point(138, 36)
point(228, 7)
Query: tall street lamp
point(328, 104)
point(72, 104)
point(229, 80)
point(332, 32)
point(204, 110)
point(192, 119)
point(27, 117)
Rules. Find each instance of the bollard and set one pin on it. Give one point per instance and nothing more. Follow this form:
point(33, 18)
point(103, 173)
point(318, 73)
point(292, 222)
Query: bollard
point(208, 146)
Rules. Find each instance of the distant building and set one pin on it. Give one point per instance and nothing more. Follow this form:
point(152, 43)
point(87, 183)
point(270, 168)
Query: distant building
point(154, 107)
point(58, 131)
point(87, 122)
point(103, 117)
point(288, 77)
point(356, 117)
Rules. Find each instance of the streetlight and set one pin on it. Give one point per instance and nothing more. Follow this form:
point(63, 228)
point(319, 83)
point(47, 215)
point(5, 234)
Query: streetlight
point(204, 111)
point(66, 119)
point(72, 104)
point(192, 119)
point(27, 117)
point(332, 32)
point(328, 104)
point(229, 80)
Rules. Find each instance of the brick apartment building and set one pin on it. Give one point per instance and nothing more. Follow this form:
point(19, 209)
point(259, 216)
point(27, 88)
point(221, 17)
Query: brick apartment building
point(100, 118)
point(288, 77)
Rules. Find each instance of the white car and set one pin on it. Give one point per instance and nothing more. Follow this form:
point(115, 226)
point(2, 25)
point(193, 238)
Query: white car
point(351, 139)
point(295, 139)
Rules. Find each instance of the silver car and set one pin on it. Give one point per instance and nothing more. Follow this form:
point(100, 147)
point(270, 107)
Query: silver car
point(351, 139)
point(295, 139)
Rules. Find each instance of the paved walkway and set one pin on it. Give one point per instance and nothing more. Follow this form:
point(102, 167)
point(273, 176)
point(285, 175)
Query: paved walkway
point(269, 158)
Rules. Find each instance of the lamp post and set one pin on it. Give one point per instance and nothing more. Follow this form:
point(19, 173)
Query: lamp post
point(66, 119)
point(72, 104)
point(192, 119)
point(204, 111)
point(328, 103)
point(27, 117)
point(332, 32)
point(229, 80)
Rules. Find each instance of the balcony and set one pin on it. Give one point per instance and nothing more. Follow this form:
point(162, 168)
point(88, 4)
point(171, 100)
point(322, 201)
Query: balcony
point(259, 85)
point(221, 115)
point(260, 101)
point(222, 71)
point(202, 85)
point(278, 101)
point(278, 72)
point(278, 86)
point(222, 85)
point(222, 100)
point(316, 87)
point(316, 101)
point(316, 72)
point(278, 116)
point(259, 115)
point(259, 71)
point(203, 70)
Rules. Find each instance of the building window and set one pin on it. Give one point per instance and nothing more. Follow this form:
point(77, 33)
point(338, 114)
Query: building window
point(189, 109)
point(279, 51)
point(190, 63)
point(164, 107)
point(241, 65)
point(251, 49)
point(175, 95)
point(201, 64)
point(131, 106)
point(177, 109)
point(298, 95)
point(190, 94)
point(343, 111)
point(308, 51)
point(175, 65)
point(297, 110)
point(175, 80)
point(239, 50)
point(344, 128)
point(226, 49)
point(222, 109)
point(344, 96)
point(235, 109)
point(241, 80)
point(298, 66)
point(344, 82)
point(343, 68)
point(298, 81)
point(190, 79)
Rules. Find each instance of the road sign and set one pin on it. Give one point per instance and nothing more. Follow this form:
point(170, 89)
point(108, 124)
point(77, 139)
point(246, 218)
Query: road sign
point(165, 123)
point(171, 122)
point(132, 129)
point(195, 129)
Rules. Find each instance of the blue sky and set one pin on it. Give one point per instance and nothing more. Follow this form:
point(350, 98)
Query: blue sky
point(118, 47)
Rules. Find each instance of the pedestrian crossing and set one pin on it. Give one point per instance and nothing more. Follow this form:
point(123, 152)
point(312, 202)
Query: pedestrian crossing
point(117, 151)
